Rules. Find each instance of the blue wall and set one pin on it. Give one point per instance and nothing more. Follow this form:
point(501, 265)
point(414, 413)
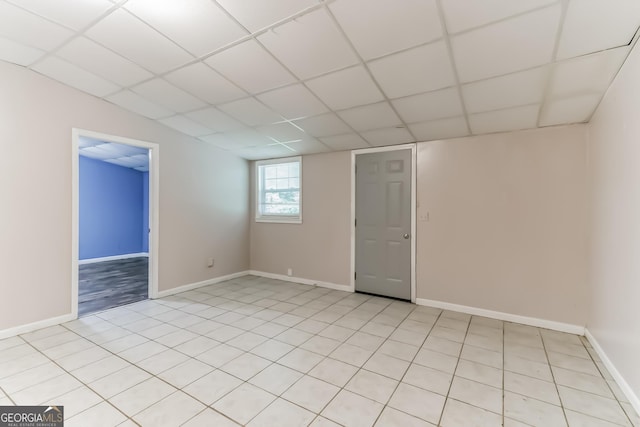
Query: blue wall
point(145, 212)
point(113, 201)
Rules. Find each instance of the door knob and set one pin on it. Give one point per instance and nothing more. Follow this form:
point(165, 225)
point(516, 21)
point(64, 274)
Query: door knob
point(406, 236)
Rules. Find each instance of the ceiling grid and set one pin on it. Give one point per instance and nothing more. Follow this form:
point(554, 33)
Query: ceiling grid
point(289, 77)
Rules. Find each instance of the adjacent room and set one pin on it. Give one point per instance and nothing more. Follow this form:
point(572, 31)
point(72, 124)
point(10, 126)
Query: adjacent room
point(321, 213)
point(113, 218)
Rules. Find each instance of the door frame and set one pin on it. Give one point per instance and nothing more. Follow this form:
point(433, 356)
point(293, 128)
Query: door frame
point(354, 153)
point(154, 207)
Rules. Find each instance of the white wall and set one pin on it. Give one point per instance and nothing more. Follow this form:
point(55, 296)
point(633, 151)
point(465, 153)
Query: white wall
point(203, 196)
point(507, 223)
point(614, 171)
point(507, 229)
point(318, 249)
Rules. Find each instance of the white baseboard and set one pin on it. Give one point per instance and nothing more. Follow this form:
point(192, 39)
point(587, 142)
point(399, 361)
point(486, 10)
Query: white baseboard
point(113, 258)
point(619, 379)
point(197, 285)
point(40, 324)
point(301, 280)
point(531, 321)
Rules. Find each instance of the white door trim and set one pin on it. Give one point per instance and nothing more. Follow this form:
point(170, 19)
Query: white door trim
point(354, 153)
point(154, 207)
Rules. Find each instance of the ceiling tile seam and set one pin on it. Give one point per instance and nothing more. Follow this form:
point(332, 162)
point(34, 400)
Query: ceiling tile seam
point(497, 110)
point(551, 66)
point(403, 50)
point(508, 18)
point(303, 83)
point(76, 34)
point(364, 64)
point(449, 117)
point(250, 36)
point(454, 67)
point(632, 45)
point(160, 33)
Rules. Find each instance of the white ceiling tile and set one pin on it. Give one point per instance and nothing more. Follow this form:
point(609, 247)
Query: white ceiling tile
point(513, 45)
point(309, 46)
point(186, 125)
point(522, 88)
point(570, 110)
point(209, 27)
point(310, 146)
point(282, 132)
point(75, 14)
point(202, 81)
point(421, 69)
point(134, 102)
point(372, 116)
point(381, 27)
point(429, 106)
point(348, 141)
point(85, 142)
point(96, 152)
point(517, 118)
point(293, 102)
point(345, 89)
point(103, 62)
point(215, 119)
point(258, 14)
point(324, 125)
point(133, 39)
point(169, 96)
point(440, 129)
point(220, 140)
point(73, 76)
point(461, 15)
point(387, 136)
point(124, 150)
point(17, 53)
point(251, 67)
point(23, 27)
point(250, 112)
point(248, 138)
point(589, 73)
point(267, 152)
point(594, 25)
point(124, 162)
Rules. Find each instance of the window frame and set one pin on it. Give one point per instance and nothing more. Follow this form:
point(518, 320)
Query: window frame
point(277, 218)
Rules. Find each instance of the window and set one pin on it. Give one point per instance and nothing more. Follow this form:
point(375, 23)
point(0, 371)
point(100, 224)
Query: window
point(279, 192)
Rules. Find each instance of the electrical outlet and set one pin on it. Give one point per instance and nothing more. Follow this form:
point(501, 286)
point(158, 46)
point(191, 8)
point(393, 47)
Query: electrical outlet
point(289, 272)
point(210, 262)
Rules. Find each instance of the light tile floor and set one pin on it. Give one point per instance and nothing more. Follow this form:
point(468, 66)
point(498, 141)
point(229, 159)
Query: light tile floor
point(260, 352)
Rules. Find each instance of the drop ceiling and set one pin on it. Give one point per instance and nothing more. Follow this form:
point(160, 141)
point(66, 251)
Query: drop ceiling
point(123, 155)
point(284, 77)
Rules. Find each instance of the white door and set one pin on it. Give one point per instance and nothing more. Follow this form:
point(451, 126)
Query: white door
point(383, 223)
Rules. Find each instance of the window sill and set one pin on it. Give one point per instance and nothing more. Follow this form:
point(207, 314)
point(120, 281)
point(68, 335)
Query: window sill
point(280, 220)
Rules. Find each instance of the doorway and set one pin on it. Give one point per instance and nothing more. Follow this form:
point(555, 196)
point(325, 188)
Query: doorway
point(383, 213)
point(114, 221)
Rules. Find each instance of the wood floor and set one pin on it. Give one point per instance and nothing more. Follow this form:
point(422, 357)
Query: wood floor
point(108, 284)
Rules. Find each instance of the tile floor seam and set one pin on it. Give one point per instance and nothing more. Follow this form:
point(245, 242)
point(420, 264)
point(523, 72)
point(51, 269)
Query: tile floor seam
point(454, 374)
point(85, 385)
point(555, 384)
point(293, 295)
point(362, 367)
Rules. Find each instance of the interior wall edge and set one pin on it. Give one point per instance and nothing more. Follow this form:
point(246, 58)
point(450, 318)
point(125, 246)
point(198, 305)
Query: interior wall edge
point(40, 324)
point(196, 285)
point(302, 281)
point(617, 376)
point(508, 317)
